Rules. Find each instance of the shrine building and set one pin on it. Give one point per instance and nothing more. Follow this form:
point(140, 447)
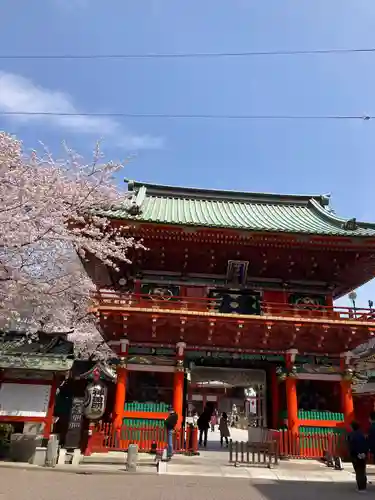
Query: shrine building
point(232, 302)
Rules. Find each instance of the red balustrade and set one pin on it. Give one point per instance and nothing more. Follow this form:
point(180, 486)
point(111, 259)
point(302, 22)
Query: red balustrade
point(310, 445)
point(155, 302)
point(105, 437)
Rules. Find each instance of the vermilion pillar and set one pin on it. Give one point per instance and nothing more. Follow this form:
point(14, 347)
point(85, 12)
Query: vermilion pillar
point(291, 393)
point(178, 382)
point(120, 396)
point(347, 401)
point(48, 423)
point(275, 398)
point(347, 404)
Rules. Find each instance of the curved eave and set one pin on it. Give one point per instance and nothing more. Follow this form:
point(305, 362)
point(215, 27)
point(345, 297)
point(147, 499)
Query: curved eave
point(363, 227)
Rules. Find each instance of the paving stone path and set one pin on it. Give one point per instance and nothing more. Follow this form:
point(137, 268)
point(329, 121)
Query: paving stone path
point(17, 484)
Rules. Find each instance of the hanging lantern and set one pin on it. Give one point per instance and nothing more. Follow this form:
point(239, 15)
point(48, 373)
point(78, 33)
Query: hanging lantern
point(95, 400)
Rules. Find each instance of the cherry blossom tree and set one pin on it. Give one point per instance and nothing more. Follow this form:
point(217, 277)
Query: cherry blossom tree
point(49, 225)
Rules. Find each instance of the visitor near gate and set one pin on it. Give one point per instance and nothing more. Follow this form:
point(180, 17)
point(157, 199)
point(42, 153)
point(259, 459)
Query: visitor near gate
point(170, 424)
point(234, 416)
point(203, 426)
point(224, 429)
point(358, 449)
point(214, 420)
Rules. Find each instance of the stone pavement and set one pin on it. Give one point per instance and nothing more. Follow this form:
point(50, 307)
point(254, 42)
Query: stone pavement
point(213, 462)
point(311, 471)
point(25, 485)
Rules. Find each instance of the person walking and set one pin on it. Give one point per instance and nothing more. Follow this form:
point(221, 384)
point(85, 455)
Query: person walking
point(213, 421)
point(203, 426)
point(224, 429)
point(358, 449)
point(170, 424)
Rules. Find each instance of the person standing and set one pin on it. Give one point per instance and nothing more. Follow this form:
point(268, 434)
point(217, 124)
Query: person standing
point(224, 429)
point(358, 449)
point(170, 424)
point(195, 418)
point(203, 426)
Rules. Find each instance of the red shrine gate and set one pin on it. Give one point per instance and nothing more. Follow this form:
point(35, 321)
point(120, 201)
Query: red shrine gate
point(235, 279)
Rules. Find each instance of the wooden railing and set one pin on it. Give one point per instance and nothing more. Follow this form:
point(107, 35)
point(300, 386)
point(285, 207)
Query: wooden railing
point(108, 299)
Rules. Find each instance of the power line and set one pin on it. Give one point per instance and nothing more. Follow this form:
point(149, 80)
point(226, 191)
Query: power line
point(192, 55)
point(191, 116)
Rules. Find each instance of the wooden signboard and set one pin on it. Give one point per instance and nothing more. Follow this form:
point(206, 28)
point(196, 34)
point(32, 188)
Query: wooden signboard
point(73, 436)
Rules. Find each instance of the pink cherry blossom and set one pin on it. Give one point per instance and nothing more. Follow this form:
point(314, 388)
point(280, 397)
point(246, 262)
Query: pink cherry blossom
point(47, 220)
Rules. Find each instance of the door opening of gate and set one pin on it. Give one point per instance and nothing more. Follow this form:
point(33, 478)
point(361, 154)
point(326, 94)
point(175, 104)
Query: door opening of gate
point(238, 392)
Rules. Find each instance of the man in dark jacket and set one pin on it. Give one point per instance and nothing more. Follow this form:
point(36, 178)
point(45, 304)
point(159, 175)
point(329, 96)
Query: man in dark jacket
point(170, 424)
point(203, 426)
point(358, 449)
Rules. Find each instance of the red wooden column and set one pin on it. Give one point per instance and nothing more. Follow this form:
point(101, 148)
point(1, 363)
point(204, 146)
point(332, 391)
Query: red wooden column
point(48, 422)
point(178, 382)
point(291, 393)
point(347, 404)
point(275, 398)
point(119, 406)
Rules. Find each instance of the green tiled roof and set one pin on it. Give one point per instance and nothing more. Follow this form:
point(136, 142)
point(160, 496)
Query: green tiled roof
point(48, 352)
point(235, 210)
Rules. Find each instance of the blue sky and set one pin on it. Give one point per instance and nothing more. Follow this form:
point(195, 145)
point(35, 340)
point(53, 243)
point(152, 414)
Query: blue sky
point(276, 156)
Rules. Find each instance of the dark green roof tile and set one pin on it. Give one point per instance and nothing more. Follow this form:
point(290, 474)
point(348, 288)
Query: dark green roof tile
point(235, 210)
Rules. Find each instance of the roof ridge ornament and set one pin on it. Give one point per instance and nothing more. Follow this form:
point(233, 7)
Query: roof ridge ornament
point(130, 184)
point(350, 225)
point(326, 200)
point(135, 198)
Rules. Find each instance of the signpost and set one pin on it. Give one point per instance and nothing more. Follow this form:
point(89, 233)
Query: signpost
point(73, 436)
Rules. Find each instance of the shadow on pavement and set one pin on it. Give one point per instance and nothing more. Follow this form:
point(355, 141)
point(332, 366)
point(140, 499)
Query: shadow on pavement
point(304, 490)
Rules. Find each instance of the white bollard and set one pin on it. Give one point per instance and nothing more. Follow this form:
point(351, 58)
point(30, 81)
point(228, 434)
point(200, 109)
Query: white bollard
point(52, 451)
point(132, 458)
point(76, 460)
point(62, 457)
point(162, 467)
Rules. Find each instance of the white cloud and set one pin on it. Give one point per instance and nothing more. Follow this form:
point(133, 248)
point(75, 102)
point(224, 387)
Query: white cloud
point(21, 94)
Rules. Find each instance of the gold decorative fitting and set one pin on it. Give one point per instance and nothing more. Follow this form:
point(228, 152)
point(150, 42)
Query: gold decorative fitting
point(348, 374)
point(122, 362)
point(179, 365)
